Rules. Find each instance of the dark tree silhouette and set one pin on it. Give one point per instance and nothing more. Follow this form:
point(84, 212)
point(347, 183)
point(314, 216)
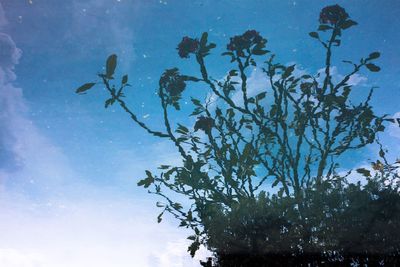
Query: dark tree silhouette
point(289, 136)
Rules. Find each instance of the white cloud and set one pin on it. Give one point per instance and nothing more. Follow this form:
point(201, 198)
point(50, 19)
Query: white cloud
point(256, 83)
point(394, 129)
point(50, 217)
point(100, 232)
point(26, 154)
point(355, 79)
point(15, 258)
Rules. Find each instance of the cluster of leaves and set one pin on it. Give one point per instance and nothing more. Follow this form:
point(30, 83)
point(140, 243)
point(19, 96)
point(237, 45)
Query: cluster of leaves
point(340, 222)
point(290, 136)
point(249, 42)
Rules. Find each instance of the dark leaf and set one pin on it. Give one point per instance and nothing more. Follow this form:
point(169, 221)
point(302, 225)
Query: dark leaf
point(364, 172)
point(177, 206)
point(324, 27)
point(125, 79)
point(233, 73)
point(347, 24)
point(247, 150)
point(182, 129)
point(314, 35)
point(374, 55)
point(147, 181)
point(194, 247)
point(203, 40)
point(109, 102)
point(259, 52)
point(159, 217)
point(84, 87)
point(288, 72)
point(390, 120)
point(261, 96)
point(275, 183)
point(211, 46)
point(111, 65)
point(227, 54)
point(381, 153)
point(196, 102)
point(164, 167)
point(373, 67)
point(191, 237)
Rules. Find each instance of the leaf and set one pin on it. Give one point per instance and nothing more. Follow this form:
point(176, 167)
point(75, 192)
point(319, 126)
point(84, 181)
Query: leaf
point(111, 64)
point(364, 172)
point(247, 150)
point(314, 35)
point(125, 79)
point(261, 96)
point(193, 248)
point(84, 88)
point(374, 55)
point(249, 127)
point(373, 67)
point(182, 129)
point(203, 39)
point(196, 112)
point(227, 54)
point(176, 105)
point(211, 46)
point(233, 73)
point(347, 24)
point(324, 27)
point(164, 167)
point(275, 183)
point(159, 217)
point(348, 62)
point(147, 181)
point(380, 128)
point(288, 72)
point(109, 102)
point(177, 206)
point(378, 166)
point(390, 120)
point(196, 102)
point(381, 153)
point(191, 237)
point(259, 52)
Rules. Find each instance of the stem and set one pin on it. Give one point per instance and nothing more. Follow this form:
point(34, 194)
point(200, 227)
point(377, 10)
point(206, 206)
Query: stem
point(127, 110)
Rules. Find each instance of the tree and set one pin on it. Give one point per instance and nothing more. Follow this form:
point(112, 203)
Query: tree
point(289, 136)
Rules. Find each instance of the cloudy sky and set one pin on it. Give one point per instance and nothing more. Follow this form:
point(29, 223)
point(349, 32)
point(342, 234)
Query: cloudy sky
point(69, 168)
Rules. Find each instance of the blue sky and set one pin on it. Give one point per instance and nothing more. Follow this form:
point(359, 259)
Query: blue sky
point(69, 168)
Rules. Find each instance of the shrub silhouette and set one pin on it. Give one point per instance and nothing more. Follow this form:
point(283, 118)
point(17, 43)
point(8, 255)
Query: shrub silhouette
point(288, 136)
